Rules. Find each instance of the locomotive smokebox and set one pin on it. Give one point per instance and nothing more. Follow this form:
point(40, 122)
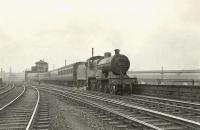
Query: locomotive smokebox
point(117, 64)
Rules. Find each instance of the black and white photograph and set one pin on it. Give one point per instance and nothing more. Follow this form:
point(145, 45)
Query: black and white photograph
point(100, 65)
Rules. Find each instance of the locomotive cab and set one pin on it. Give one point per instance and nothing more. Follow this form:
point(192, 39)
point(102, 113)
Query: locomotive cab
point(91, 70)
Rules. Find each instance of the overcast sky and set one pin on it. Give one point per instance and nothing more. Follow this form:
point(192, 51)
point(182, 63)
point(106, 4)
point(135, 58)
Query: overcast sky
point(152, 33)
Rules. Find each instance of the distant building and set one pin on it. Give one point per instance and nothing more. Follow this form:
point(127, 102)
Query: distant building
point(41, 66)
point(14, 76)
point(33, 69)
point(26, 74)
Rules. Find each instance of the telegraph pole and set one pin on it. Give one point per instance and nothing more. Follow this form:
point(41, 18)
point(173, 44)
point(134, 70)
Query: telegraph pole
point(162, 74)
point(53, 66)
point(92, 52)
point(65, 62)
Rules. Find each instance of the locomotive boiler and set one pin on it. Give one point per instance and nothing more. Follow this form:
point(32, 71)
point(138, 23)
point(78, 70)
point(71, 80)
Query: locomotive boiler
point(117, 64)
point(110, 74)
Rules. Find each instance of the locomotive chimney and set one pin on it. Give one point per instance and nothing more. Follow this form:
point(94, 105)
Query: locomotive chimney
point(117, 51)
point(92, 52)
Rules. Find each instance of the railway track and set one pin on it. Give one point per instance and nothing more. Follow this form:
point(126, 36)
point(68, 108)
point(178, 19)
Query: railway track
point(184, 109)
point(42, 118)
point(20, 113)
point(6, 89)
point(179, 108)
point(9, 94)
point(133, 116)
point(4, 86)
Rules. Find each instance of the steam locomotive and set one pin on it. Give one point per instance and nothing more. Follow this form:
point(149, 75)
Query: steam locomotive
point(99, 73)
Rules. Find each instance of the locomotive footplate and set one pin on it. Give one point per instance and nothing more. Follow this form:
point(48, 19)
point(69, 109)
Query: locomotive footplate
point(121, 86)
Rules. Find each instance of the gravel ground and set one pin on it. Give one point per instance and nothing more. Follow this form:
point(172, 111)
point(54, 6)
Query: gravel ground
point(65, 115)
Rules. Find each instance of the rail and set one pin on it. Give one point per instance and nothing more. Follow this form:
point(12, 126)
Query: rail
point(168, 100)
point(5, 86)
point(13, 99)
point(32, 119)
point(7, 90)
